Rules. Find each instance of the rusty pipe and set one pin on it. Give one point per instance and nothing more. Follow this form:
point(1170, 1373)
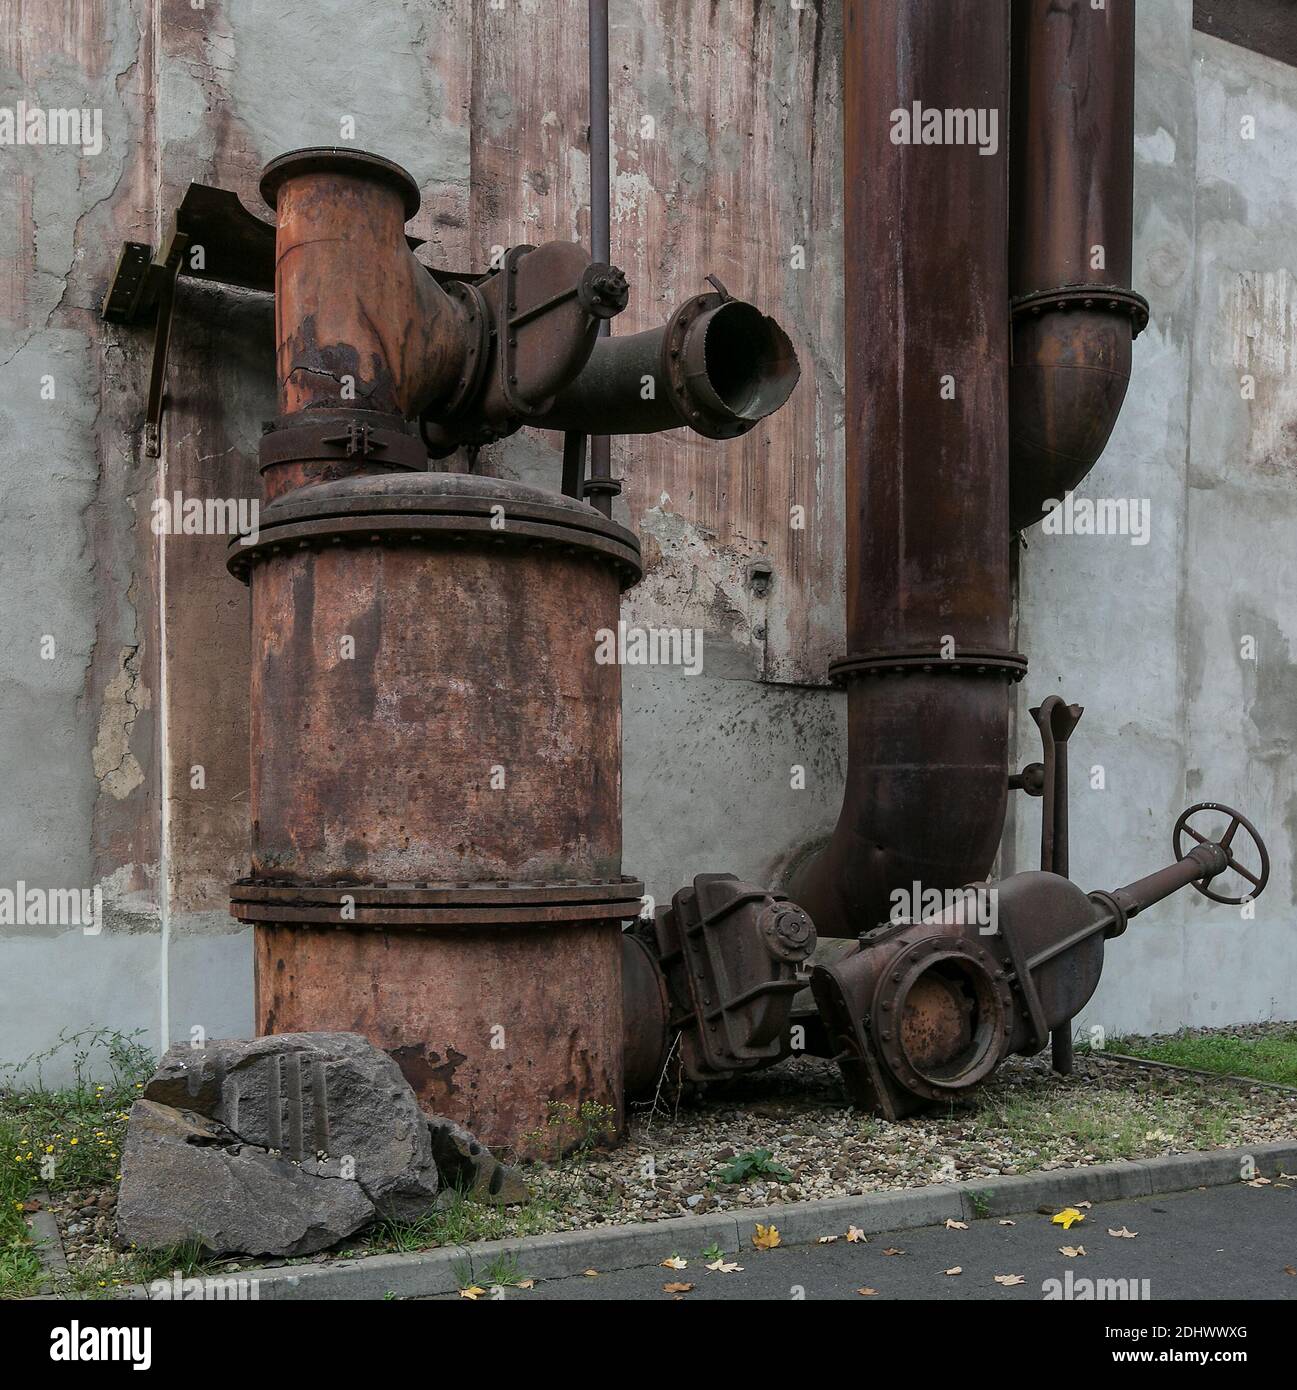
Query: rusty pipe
point(359, 323)
point(719, 366)
point(928, 668)
point(600, 487)
point(1072, 187)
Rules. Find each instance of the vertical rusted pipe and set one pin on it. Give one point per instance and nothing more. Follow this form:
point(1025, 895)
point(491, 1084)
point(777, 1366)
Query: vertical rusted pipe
point(1074, 314)
point(600, 488)
point(359, 323)
point(928, 665)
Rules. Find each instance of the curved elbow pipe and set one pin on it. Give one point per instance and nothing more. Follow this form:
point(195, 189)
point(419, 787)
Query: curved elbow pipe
point(719, 366)
point(1072, 186)
point(925, 795)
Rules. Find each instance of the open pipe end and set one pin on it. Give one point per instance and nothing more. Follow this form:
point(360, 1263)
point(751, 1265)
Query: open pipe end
point(740, 367)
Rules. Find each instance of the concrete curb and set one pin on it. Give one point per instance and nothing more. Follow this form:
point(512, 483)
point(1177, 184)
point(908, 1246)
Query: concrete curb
point(427, 1273)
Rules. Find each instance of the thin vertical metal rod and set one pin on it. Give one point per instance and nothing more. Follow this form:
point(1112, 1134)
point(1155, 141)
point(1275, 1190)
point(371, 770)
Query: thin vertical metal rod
point(600, 488)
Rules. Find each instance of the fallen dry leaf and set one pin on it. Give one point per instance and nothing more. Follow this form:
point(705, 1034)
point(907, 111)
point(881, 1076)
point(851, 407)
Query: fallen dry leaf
point(1123, 1233)
point(1288, 1269)
point(1259, 1182)
point(473, 1292)
point(1007, 1222)
point(953, 1225)
point(892, 1250)
point(677, 1288)
point(1071, 1251)
point(526, 1284)
point(766, 1238)
point(721, 1267)
point(1067, 1218)
point(1085, 1206)
point(866, 1293)
point(855, 1236)
point(590, 1273)
point(826, 1240)
point(675, 1262)
point(957, 1270)
point(1009, 1280)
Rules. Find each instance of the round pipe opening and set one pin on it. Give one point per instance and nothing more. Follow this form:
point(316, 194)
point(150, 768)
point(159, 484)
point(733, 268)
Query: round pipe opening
point(748, 368)
point(952, 1022)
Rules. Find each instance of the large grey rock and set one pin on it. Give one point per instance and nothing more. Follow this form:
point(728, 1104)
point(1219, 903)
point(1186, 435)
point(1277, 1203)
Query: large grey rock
point(332, 1103)
point(186, 1178)
point(466, 1164)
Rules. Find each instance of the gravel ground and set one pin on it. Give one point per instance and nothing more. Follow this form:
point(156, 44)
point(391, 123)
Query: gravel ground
point(1026, 1119)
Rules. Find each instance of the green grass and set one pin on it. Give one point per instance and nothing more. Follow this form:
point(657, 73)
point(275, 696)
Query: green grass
point(1114, 1125)
point(1266, 1057)
point(61, 1140)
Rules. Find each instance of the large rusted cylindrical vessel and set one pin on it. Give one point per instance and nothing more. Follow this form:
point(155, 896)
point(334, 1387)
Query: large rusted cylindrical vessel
point(436, 747)
point(928, 666)
point(1074, 313)
point(436, 858)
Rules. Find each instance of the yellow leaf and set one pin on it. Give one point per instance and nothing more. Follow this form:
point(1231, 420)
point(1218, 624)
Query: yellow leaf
point(855, 1236)
point(675, 1262)
point(866, 1293)
point(766, 1238)
point(1067, 1218)
point(677, 1288)
point(472, 1292)
point(1009, 1280)
point(952, 1225)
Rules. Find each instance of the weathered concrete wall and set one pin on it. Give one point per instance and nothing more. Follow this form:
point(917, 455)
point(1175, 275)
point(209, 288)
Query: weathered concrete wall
point(125, 756)
point(1152, 639)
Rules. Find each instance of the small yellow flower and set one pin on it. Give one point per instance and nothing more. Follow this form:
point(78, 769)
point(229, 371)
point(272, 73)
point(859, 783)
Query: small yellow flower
point(49, 1148)
point(74, 1141)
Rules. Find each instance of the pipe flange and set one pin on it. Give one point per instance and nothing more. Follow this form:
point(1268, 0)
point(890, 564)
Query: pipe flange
point(319, 437)
point(331, 159)
point(433, 509)
point(677, 368)
point(991, 1000)
point(1114, 299)
point(426, 906)
point(787, 931)
point(477, 354)
point(1012, 665)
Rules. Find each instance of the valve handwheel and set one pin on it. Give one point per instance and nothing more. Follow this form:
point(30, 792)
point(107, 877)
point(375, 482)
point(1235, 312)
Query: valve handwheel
point(1225, 842)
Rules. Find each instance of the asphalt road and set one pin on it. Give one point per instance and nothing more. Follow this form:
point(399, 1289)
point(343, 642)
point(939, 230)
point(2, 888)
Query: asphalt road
point(1223, 1242)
